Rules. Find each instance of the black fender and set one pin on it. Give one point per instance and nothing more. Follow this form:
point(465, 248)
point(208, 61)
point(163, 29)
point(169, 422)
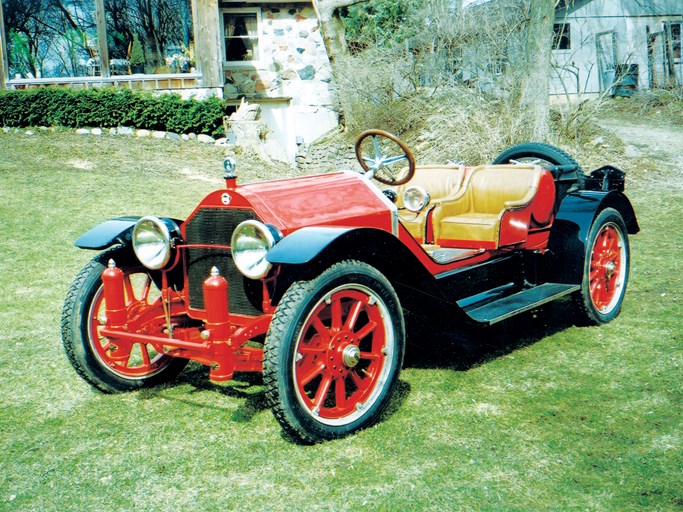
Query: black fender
point(309, 251)
point(111, 232)
point(304, 245)
point(572, 224)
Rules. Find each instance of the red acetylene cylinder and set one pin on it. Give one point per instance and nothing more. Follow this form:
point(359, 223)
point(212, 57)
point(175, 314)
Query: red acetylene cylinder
point(114, 295)
point(216, 301)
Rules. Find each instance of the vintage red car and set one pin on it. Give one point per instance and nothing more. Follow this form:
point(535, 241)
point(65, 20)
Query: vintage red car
point(307, 279)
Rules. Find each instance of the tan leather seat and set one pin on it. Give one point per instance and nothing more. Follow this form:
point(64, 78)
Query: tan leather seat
point(492, 209)
point(441, 182)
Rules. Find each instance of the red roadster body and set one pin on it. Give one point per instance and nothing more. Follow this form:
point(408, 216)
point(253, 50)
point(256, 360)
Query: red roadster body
point(307, 279)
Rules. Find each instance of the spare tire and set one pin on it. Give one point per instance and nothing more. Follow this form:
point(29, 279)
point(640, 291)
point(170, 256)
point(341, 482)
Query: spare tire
point(535, 151)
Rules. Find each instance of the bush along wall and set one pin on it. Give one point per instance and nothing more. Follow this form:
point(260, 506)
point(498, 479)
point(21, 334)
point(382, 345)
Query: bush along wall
point(110, 107)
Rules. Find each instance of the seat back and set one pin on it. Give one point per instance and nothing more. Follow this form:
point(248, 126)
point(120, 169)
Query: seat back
point(440, 181)
point(491, 187)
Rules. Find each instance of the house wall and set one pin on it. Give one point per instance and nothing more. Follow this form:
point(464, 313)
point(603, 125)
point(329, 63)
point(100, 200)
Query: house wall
point(577, 70)
point(292, 80)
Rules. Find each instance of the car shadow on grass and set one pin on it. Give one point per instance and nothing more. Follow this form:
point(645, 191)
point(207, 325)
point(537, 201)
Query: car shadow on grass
point(462, 347)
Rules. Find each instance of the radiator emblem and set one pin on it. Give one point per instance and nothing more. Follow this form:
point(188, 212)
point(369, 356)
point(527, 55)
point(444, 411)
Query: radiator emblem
point(226, 198)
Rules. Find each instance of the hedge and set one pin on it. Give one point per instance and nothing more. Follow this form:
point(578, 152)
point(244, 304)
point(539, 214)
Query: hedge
point(110, 107)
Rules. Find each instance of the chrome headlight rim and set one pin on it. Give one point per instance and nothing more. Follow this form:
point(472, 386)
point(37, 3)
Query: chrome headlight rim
point(252, 261)
point(415, 198)
point(165, 230)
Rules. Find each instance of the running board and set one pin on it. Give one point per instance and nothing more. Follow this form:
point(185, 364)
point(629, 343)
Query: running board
point(520, 302)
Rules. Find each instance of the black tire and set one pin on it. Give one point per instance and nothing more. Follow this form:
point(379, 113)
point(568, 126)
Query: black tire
point(88, 353)
point(605, 270)
point(306, 369)
point(532, 151)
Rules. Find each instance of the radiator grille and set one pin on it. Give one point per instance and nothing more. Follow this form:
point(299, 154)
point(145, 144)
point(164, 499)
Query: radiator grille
point(215, 226)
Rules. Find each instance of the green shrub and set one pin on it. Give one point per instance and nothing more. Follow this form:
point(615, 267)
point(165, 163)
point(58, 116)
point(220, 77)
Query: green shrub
point(110, 107)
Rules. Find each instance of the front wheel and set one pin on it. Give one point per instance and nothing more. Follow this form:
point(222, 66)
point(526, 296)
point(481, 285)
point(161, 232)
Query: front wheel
point(115, 365)
point(605, 273)
point(333, 352)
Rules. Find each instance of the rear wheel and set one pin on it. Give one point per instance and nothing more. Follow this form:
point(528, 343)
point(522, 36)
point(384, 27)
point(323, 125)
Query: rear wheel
point(333, 352)
point(605, 273)
point(115, 365)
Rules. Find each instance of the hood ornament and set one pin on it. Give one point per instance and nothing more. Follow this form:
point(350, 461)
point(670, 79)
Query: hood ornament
point(229, 166)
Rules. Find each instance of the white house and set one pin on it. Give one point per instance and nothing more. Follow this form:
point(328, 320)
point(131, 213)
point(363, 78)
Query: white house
point(629, 44)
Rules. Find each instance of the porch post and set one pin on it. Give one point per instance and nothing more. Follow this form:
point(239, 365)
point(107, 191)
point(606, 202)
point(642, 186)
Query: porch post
point(102, 47)
point(3, 52)
point(207, 41)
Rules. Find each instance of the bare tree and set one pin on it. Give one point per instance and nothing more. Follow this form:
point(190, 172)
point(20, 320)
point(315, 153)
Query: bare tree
point(537, 36)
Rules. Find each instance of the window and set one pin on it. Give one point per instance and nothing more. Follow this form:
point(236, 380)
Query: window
point(241, 35)
point(676, 39)
point(562, 39)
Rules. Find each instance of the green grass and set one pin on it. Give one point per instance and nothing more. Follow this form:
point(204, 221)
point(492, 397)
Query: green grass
point(543, 415)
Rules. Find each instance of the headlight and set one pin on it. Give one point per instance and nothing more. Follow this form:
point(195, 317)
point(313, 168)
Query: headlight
point(250, 244)
point(152, 241)
point(415, 198)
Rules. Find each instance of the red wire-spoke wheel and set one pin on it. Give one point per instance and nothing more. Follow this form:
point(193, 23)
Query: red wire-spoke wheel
point(333, 353)
point(130, 359)
point(605, 270)
point(115, 365)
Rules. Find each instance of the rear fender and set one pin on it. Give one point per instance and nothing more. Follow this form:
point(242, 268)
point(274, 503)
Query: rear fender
point(572, 224)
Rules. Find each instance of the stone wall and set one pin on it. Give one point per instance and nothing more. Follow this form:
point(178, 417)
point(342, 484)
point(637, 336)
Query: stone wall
point(293, 62)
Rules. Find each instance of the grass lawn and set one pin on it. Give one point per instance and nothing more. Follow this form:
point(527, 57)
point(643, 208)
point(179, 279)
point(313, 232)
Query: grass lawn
point(541, 416)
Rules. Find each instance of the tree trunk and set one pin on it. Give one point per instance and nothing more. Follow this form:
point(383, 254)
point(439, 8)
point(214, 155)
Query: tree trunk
point(332, 30)
point(3, 51)
point(534, 86)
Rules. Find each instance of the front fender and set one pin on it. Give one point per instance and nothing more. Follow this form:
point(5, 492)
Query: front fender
point(304, 245)
point(107, 234)
point(110, 232)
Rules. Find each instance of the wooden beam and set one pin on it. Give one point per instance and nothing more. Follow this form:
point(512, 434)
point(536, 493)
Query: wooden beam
point(3, 52)
point(103, 49)
point(207, 42)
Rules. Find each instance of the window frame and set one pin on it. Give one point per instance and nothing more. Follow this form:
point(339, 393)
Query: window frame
point(259, 37)
point(563, 34)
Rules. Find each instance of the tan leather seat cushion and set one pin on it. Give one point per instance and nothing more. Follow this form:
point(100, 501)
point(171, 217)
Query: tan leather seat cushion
point(471, 226)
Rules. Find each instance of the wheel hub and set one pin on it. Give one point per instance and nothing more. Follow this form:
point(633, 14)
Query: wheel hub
point(351, 356)
point(342, 353)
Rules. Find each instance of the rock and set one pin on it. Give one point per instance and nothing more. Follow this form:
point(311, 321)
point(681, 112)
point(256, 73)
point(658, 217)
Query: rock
point(205, 139)
point(29, 132)
point(174, 137)
point(143, 133)
point(221, 142)
point(112, 131)
point(192, 136)
point(96, 131)
point(83, 131)
point(289, 74)
point(632, 152)
point(126, 130)
point(159, 135)
point(185, 137)
point(307, 73)
point(6, 129)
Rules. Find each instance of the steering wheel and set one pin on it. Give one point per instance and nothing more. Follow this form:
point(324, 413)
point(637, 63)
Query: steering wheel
point(372, 147)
